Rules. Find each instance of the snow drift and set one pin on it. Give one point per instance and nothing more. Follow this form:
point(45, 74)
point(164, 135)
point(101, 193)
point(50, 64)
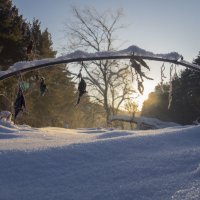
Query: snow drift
point(143, 122)
point(55, 163)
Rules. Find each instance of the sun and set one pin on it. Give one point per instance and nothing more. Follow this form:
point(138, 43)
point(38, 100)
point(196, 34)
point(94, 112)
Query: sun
point(148, 88)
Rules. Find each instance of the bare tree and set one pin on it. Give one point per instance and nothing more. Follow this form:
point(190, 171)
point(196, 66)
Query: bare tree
point(109, 80)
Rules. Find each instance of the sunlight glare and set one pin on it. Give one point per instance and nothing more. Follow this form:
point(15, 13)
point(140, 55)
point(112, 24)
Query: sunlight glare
point(148, 88)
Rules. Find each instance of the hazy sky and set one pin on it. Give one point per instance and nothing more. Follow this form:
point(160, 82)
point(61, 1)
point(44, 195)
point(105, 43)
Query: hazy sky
point(160, 26)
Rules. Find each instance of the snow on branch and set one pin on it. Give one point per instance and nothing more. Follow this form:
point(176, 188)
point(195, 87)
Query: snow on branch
point(77, 56)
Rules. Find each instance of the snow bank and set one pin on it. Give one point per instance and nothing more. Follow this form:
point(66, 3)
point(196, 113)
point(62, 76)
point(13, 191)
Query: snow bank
point(56, 163)
point(7, 124)
point(144, 122)
point(113, 134)
point(191, 193)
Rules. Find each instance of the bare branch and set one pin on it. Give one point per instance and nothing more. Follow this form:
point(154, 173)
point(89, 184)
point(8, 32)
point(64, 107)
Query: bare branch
point(105, 79)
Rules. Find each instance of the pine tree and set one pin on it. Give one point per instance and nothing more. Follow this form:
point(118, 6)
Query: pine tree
point(56, 107)
point(15, 36)
point(185, 105)
point(12, 37)
point(157, 103)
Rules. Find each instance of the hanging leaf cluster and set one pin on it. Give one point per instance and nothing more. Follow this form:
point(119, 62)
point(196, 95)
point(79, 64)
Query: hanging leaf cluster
point(81, 86)
point(137, 64)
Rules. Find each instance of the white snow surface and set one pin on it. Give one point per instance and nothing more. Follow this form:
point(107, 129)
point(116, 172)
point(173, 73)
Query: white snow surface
point(154, 122)
point(97, 163)
point(81, 54)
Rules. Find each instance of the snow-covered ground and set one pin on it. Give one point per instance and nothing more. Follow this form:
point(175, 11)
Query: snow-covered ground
point(99, 164)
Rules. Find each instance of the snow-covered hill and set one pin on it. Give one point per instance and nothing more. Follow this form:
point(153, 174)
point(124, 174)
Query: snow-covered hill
point(101, 164)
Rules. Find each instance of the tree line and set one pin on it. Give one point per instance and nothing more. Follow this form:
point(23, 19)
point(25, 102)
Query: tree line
point(178, 100)
point(56, 107)
point(109, 82)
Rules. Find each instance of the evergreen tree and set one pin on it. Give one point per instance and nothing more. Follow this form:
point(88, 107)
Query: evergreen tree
point(185, 105)
point(19, 41)
point(50, 109)
point(15, 36)
point(53, 108)
point(157, 103)
point(190, 88)
point(12, 35)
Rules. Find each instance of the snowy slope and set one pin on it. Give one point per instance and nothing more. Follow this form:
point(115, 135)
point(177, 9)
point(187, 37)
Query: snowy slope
point(55, 163)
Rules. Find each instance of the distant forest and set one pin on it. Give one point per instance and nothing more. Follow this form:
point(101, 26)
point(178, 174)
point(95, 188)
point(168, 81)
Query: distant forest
point(178, 100)
point(57, 106)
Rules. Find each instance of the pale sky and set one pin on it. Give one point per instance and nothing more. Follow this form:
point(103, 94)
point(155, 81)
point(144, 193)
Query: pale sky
point(160, 26)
